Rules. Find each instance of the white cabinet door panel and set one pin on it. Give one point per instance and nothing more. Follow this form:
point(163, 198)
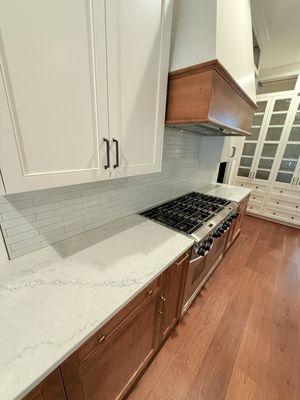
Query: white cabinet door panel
point(138, 33)
point(48, 54)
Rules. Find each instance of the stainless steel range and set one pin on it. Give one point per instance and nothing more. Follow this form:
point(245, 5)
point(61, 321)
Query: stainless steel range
point(204, 218)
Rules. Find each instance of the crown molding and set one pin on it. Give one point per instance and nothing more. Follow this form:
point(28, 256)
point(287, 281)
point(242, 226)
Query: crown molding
point(280, 71)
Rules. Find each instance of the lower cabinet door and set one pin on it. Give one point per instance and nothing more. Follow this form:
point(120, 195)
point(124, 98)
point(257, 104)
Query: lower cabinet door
point(110, 370)
point(50, 389)
point(173, 294)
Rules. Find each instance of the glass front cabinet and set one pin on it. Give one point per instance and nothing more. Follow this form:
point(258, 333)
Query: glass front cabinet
point(270, 160)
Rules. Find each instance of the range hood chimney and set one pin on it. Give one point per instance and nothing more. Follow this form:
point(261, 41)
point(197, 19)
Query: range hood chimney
point(205, 98)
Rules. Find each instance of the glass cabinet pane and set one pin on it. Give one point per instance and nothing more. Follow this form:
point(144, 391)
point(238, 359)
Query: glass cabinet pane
point(246, 162)
point(284, 177)
point(257, 120)
point(261, 106)
point(249, 149)
point(265, 163)
point(292, 151)
point(297, 119)
point(269, 150)
point(254, 134)
point(244, 172)
point(282, 105)
point(274, 134)
point(287, 165)
point(262, 175)
point(278, 119)
point(295, 134)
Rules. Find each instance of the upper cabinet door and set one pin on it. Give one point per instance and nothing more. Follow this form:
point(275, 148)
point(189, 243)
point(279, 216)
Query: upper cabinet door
point(53, 100)
point(138, 40)
point(288, 161)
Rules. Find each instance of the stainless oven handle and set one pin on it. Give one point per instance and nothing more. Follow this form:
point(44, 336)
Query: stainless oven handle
point(198, 258)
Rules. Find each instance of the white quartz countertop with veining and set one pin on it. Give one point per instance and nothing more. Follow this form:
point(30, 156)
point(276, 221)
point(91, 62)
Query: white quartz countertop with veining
point(52, 300)
point(230, 192)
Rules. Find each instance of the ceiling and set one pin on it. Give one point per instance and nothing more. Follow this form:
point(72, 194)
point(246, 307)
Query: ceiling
point(277, 25)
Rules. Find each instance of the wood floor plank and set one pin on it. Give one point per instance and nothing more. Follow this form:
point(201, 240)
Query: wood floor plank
point(240, 340)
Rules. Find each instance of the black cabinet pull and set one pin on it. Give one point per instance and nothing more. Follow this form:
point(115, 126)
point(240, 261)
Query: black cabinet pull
point(117, 153)
point(107, 153)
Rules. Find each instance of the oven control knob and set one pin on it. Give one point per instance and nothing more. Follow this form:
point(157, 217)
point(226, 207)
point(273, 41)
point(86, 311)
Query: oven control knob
point(216, 234)
point(201, 251)
point(209, 241)
point(225, 225)
point(206, 247)
point(235, 215)
point(221, 230)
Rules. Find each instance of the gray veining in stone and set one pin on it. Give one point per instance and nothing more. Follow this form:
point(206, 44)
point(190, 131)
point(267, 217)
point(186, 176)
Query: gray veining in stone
point(52, 300)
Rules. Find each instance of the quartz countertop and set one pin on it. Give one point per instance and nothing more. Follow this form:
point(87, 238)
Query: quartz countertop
point(53, 300)
point(230, 192)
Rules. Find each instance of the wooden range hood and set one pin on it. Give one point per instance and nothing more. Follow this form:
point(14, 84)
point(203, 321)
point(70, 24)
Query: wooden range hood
point(204, 98)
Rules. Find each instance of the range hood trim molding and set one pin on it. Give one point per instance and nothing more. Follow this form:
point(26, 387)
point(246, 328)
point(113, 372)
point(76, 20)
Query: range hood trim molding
point(218, 67)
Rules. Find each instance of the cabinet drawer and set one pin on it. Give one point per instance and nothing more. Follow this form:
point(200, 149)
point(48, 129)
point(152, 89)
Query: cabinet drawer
point(282, 215)
point(280, 202)
point(284, 191)
point(256, 198)
point(254, 208)
point(258, 187)
point(97, 339)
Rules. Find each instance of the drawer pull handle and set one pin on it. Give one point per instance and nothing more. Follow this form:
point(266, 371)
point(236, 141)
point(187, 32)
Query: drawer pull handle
point(101, 338)
point(281, 191)
point(182, 260)
point(253, 197)
point(163, 298)
point(160, 312)
point(277, 202)
point(293, 217)
point(274, 213)
point(256, 187)
point(296, 206)
point(149, 292)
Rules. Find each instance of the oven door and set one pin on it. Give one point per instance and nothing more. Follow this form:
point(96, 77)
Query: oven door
point(200, 268)
point(195, 275)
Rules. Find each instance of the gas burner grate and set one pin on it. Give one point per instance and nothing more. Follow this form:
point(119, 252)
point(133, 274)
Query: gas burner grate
point(187, 213)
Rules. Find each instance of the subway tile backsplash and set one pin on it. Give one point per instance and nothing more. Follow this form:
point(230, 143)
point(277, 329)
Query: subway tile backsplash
point(33, 220)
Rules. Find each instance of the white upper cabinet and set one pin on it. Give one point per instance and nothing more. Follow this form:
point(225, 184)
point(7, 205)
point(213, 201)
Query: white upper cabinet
point(138, 36)
point(79, 78)
point(53, 104)
point(215, 29)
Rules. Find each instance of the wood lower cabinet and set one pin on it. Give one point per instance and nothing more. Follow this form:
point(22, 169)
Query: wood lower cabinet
point(50, 389)
point(173, 294)
point(109, 363)
point(109, 370)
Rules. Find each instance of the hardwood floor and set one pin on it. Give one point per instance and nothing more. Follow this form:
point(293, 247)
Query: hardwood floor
point(240, 340)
